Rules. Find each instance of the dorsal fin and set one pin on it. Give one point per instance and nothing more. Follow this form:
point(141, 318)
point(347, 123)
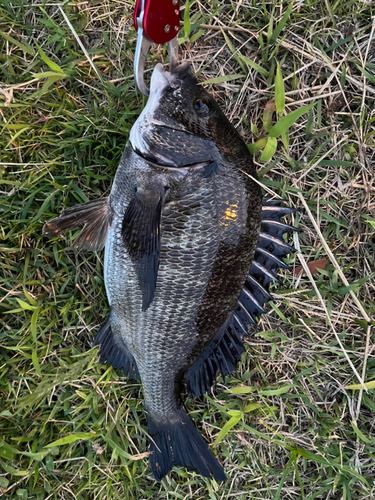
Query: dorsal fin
point(225, 350)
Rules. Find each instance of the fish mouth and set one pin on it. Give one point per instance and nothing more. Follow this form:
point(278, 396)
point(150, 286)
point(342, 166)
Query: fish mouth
point(165, 162)
point(160, 78)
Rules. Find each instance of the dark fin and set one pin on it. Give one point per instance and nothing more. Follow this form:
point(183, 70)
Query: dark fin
point(222, 355)
point(226, 348)
point(95, 216)
point(278, 228)
point(272, 212)
point(211, 169)
point(141, 235)
point(274, 245)
point(175, 441)
point(112, 350)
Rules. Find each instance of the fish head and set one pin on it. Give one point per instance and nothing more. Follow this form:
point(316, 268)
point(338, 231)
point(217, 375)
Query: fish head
point(182, 125)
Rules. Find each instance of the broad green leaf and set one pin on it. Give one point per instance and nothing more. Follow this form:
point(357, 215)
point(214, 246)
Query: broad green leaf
point(197, 35)
point(287, 121)
point(34, 357)
point(116, 448)
point(234, 413)
point(241, 390)
point(49, 463)
point(279, 91)
point(283, 477)
point(254, 65)
point(270, 149)
point(271, 334)
point(47, 84)
point(33, 323)
point(44, 206)
point(49, 62)
point(3, 483)
point(25, 305)
point(277, 392)
point(13, 471)
point(15, 137)
point(235, 53)
point(71, 438)
point(15, 126)
point(257, 146)
point(13, 451)
point(226, 428)
point(368, 385)
point(285, 139)
point(346, 289)
point(187, 19)
point(281, 24)
point(47, 74)
point(31, 300)
point(320, 460)
point(23, 46)
point(360, 434)
point(252, 407)
point(6, 453)
point(22, 494)
point(369, 220)
point(222, 79)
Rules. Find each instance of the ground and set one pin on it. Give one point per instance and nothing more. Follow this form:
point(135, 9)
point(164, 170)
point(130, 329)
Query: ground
point(286, 425)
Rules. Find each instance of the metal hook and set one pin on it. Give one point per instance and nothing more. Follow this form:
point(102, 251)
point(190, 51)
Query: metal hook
point(141, 51)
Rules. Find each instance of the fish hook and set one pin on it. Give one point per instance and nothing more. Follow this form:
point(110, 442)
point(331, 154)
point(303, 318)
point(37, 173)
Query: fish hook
point(155, 24)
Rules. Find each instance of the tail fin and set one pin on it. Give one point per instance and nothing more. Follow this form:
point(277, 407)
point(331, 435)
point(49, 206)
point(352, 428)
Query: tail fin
point(175, 441)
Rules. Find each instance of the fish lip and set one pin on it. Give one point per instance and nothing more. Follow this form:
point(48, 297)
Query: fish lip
point(171, 165)
point(160, 77)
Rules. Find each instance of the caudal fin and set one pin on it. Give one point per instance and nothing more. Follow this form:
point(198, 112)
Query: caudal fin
point(175, 441)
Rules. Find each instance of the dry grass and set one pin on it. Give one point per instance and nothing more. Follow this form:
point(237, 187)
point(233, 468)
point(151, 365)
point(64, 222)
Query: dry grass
point(301, 433)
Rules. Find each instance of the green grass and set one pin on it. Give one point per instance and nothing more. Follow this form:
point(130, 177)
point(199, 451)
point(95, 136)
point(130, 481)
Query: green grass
point(284, 426)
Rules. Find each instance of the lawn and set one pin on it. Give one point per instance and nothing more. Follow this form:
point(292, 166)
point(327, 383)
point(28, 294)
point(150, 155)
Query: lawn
point(297, 420)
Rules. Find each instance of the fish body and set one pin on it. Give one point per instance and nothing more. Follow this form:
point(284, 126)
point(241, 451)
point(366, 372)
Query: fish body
point(180, 228)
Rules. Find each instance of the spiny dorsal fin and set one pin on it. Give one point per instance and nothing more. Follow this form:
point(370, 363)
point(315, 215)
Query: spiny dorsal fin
point(225, 350)
point(95, 216)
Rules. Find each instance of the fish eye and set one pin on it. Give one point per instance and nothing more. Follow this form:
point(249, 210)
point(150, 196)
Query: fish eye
point(201, 106)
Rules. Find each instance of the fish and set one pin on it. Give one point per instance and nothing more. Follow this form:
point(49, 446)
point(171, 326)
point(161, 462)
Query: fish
point(191, 248)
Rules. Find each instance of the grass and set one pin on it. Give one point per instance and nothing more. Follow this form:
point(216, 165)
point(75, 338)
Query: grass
point(286, 425)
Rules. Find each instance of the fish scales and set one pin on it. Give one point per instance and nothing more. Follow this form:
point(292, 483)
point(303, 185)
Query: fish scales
point(180, 230)
point(193, 227)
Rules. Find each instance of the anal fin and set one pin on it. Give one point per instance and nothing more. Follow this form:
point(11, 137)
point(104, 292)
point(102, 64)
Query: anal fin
point(112, 350)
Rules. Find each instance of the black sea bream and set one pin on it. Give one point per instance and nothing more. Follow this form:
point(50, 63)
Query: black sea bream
point(180, 229)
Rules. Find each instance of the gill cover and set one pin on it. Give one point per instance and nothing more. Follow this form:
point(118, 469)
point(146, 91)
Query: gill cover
point(171, 130)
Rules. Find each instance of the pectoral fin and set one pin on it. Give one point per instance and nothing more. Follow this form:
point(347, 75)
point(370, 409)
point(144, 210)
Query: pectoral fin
point(141, 235)
point(95, 216)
